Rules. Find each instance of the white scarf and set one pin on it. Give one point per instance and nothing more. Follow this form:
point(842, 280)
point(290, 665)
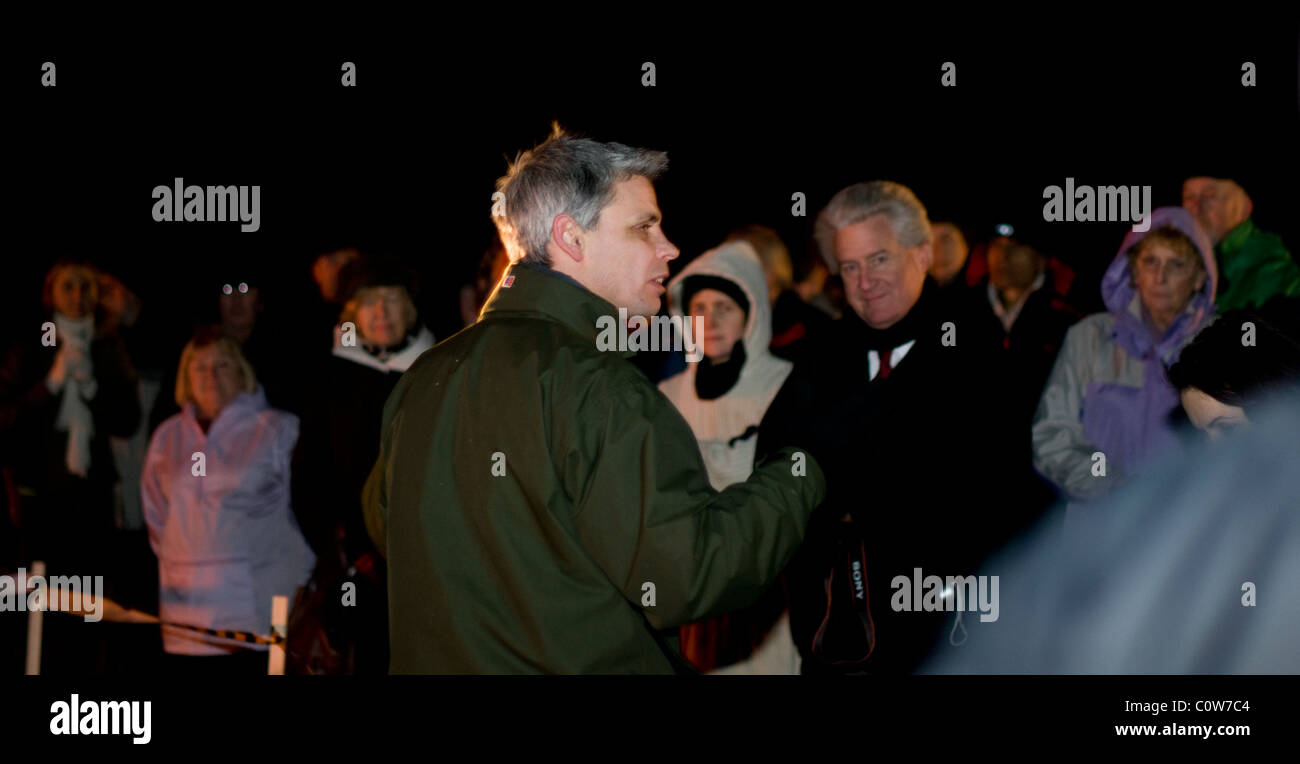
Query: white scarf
point(398, 362)
point(74, 415)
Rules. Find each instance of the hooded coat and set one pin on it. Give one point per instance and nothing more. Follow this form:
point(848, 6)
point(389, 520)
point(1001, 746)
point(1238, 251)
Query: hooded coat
point(1164, 579)
point(544, 509)
point(1108, 391)
point(727, 427)
point(227, 540)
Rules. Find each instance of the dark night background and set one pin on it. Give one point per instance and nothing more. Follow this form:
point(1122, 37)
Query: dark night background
point(407, 160)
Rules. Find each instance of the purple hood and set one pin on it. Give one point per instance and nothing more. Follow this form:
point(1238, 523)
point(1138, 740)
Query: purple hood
point(1130, 424)
point(1118, 293)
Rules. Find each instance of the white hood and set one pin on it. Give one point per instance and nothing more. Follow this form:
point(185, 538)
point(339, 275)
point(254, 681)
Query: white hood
point(736, 262)
point(717, 422)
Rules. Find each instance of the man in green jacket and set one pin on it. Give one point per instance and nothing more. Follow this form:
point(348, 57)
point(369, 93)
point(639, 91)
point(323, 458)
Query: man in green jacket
point(1254, 265)
point(543, 508)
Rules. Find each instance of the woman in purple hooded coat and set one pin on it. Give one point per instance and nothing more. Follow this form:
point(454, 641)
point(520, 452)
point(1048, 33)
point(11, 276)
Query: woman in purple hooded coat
point(1104, 414)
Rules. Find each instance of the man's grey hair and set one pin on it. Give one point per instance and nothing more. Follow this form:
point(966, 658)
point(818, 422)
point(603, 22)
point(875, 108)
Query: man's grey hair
point(863, 200)
point(564, 175)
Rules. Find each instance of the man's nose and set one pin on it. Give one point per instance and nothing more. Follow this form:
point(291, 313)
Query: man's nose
point(669, 251)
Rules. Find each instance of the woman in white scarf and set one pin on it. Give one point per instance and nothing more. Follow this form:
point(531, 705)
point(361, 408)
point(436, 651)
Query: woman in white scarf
point(86, 404)
point(73, 374)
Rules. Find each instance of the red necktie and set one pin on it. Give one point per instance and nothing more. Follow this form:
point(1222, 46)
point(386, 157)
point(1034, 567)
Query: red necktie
point(884, 363)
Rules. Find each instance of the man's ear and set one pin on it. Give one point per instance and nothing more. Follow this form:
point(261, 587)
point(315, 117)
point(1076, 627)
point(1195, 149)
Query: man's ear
point(567, 235)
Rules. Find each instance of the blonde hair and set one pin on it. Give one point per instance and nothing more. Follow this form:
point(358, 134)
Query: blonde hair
point(209, 336)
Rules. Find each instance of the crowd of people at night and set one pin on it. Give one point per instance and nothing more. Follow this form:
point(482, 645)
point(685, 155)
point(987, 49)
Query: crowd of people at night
point(947, 396)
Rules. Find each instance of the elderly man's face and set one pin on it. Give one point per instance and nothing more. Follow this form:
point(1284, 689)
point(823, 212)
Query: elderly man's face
point(882, 278)
point(1217, 206)
point(626, 255)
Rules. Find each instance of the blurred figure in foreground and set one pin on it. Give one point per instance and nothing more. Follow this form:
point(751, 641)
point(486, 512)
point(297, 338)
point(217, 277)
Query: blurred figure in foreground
point(1188, 570)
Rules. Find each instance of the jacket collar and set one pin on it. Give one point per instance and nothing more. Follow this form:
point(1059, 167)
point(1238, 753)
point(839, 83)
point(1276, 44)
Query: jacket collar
point(398, 362)
point(531, 289)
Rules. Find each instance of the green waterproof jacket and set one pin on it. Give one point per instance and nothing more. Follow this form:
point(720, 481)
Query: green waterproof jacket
point(1254, 266)
point(544, 508)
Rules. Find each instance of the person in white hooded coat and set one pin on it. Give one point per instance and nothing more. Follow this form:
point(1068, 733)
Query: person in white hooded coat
point(215, 488)
point(723, 398)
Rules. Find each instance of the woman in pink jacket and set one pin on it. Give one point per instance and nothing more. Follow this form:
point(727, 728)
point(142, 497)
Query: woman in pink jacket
point(216, 499)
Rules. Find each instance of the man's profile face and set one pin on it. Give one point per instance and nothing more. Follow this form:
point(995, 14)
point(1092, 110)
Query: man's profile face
point(882, 279)
point(627, 252)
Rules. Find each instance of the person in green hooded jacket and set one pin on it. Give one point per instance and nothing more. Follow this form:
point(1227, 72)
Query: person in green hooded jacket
point(542, 506)
point(1254, 265)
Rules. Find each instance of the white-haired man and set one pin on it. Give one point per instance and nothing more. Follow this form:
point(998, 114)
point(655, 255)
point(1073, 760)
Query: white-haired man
point(913, 469)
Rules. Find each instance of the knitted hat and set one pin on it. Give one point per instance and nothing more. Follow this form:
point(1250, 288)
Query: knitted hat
point(694, 283)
